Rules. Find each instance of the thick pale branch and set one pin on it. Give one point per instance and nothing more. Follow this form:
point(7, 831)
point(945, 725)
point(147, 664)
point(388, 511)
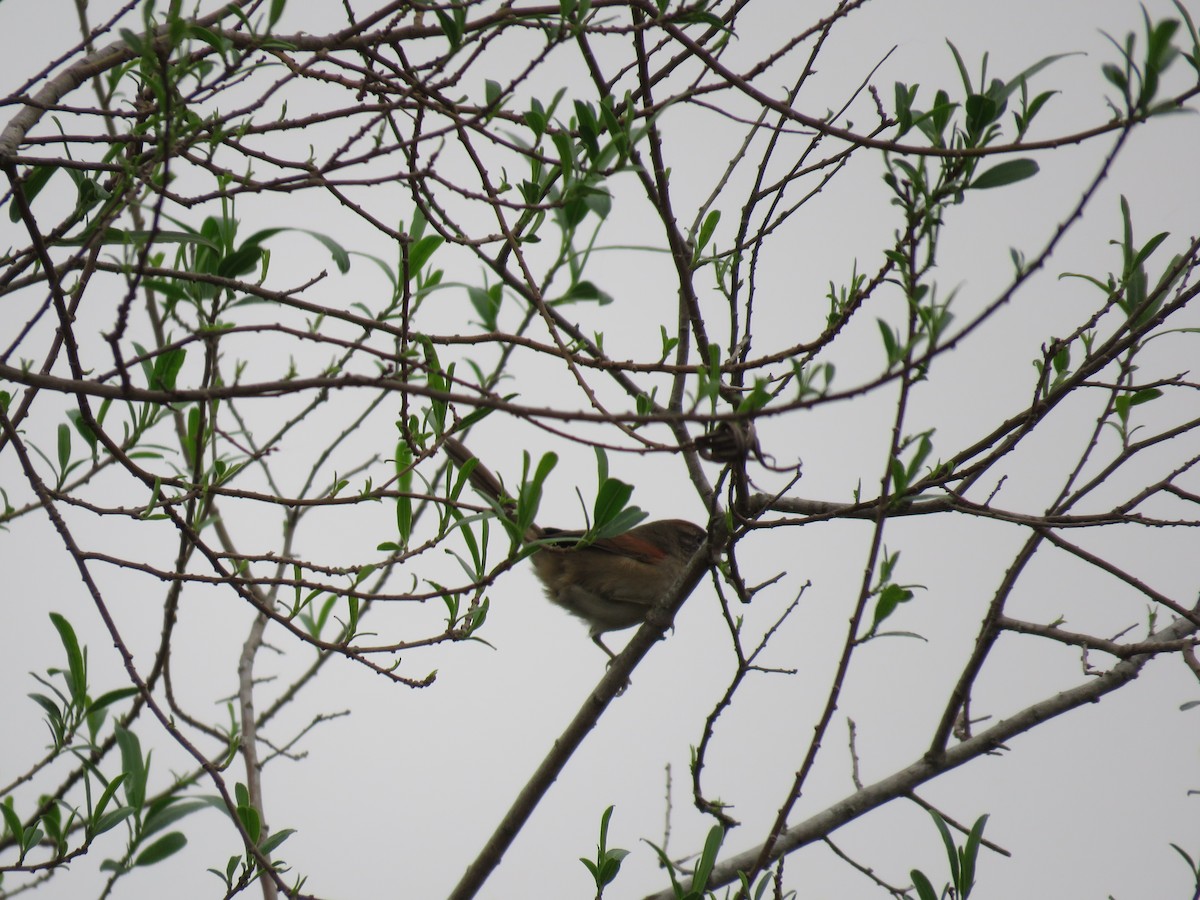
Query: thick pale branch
point(927, 768)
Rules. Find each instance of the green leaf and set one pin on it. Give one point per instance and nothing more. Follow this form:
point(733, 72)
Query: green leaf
point(251, 821)
point(923, 888)
point(53, 713)
point(110, 820)
point(891, 343)
point(924, 448)
point(341, 258)
point(12, 821)
point(693, 16)
point(404, 483)
point(756, 399)
point(34, 181)
point(437, 380)
point(168, 811)
point(420, 251)
point(106, 797)
point(276, 839)
point(902, 105)
point(167, 845)
point(1116, 75)
point(708, 858)
point(589, 127)
point(667, 864)
point(1186, 858)
point(166, 369)
point(1148, 248)
point(889, 598)
point(583, 290)
point(218, 42)
point(598, 201)
point(486, 304)
point(536, 118)
point(64, 449)
point(707, 227)
point(948, 841)
point(981, 111)
point(241, 261)
point(529, 498)
point(611, 498)
point(133, 766)
point(970, 854)
point(32, 837)
point(85, 430)
point(608, 861)
point(491, 91)
point(1123, 403)
point(76, 662)
point(1021, 79)
point(453, 24)
point(1145, 396)
point(1008, 172)
point(193, 444)
point(1061, 360)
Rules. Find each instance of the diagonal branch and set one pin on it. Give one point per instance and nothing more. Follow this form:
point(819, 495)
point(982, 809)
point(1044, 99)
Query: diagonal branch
point(930, 766)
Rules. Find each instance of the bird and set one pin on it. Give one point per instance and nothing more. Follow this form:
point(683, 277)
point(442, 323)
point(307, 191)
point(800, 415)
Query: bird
point(611, 583)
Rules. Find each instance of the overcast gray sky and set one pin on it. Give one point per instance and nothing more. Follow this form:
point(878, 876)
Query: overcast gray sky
point(397, 797)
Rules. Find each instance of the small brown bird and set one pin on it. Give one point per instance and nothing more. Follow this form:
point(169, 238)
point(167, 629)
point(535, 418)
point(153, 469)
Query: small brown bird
point(612, 583)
